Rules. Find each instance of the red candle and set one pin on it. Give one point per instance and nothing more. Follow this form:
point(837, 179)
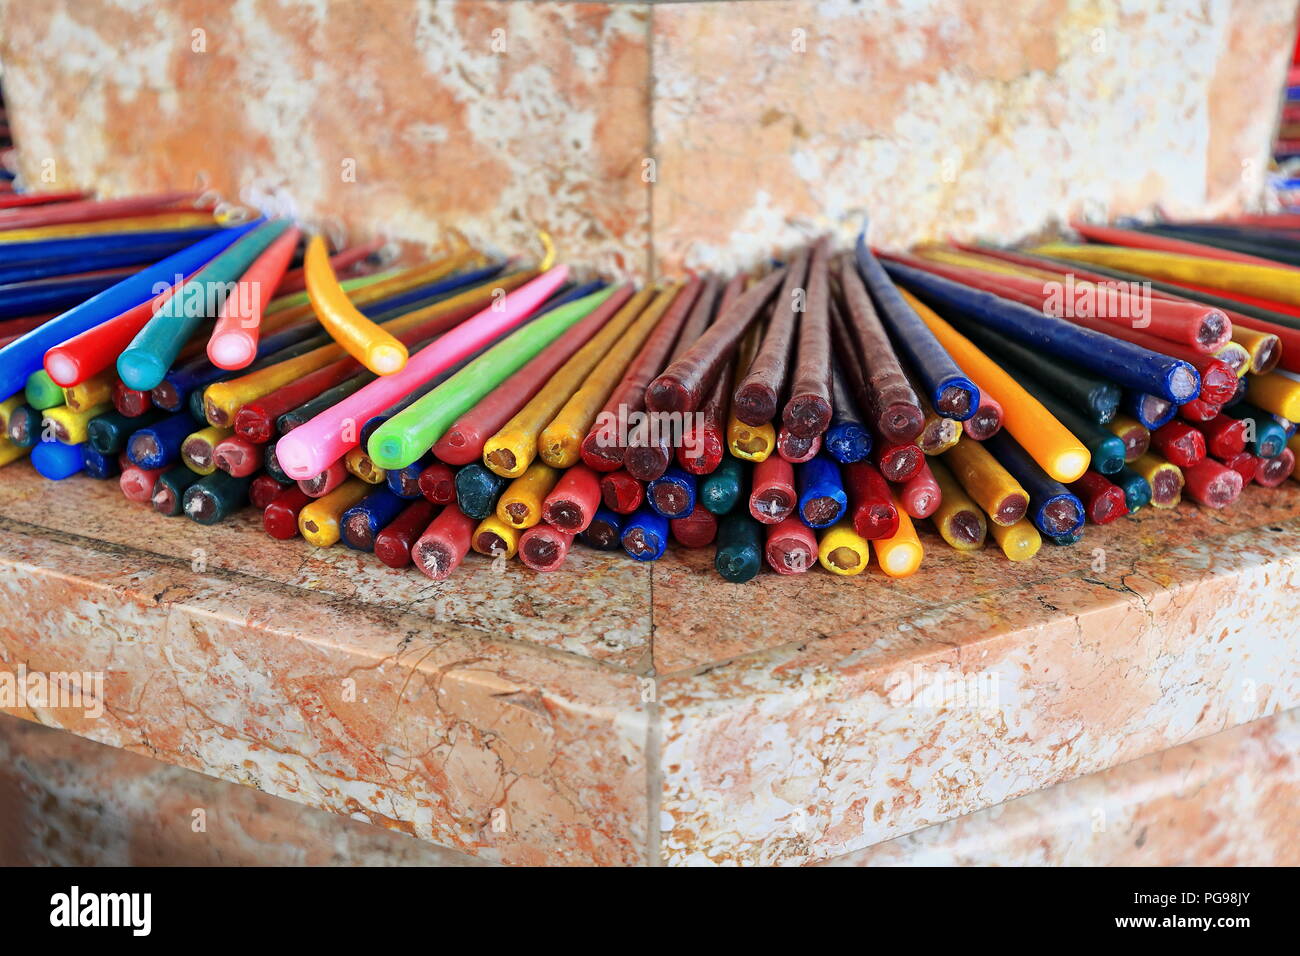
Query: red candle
point(264, 490)
point(438, 484)
point(1179, 444)
point(695, 530)
point(795, 449)
point(1212, 484)
point(1103, 500)
point(987, 420)
point(1198, 411)
point(791, 547)
point(321, 485)
point(870, 503)
point(898, 462)
point(137, 483)
point(237, 456)
point(1244, 464)
point(621, 492)
point(131, 402)
point(573, 501)
point(1273, 471)
point(920, 495)
point(773, 496)
point(544, 548)
point(1225, 436)
point(280, 517)
point(444, 543)
point(393, 544)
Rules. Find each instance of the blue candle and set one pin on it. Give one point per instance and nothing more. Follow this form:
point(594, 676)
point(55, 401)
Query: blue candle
point(405, 482)
point(1270, 437)
point(1151, 411)
point(18, 299)
point(23, 356)
point(159, 444)
point(672, 494)
point(605, 532)
point(951, 393)
point(55, 460)
point(847, 438)
point(1123, 362)
point(39, 250)
point(822, 499)
point(1052, 507)
point(25, 426)
point(360, 523)
point(110, 259)
point(1137, 491)
point(645, 534)
point(95, 463)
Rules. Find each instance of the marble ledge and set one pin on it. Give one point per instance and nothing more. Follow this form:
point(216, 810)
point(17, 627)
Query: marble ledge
point(645, 717)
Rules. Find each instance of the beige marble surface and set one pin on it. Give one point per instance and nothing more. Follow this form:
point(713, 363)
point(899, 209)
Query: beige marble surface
point(315, 676)
point(649, 136)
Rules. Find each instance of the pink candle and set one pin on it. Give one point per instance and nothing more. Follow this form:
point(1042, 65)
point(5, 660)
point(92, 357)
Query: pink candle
point(234, 338)
point(310, 447)
point(921, 496)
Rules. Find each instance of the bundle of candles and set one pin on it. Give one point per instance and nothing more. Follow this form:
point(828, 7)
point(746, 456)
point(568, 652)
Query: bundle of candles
point(806, 414)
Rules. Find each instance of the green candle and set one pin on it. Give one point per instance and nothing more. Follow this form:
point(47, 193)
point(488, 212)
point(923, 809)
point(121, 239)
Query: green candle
point(41, 392)
point(151, 353)
point(740, 546)
point(406, 436)
point(721, 489)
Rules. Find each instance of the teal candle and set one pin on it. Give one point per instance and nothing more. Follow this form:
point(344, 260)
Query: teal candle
point(477, 490)
point(406, 436)
point(722, 488)
point(740, 546)
point(151, 353)
point(1137, 490)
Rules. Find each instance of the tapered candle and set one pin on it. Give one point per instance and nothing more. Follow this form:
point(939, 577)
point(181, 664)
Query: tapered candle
point(1144, 239)
point(958, 519)
point(760, 386)
point(694, 530)
point(605, 531)
point(773, 496)
point(921, 494)
point(685, 384)
point(1105, 448)
point(155, 347)
point(985, 479)
point(360, 523)
point(262, 490)
point(494, 538)
point(444, 544)
point(847, 438)
point(620, 492)
point(645, 535)
point(7, 408)
point(280, 519)
point(544, 548)
point(898, 462)
point(1019, 541)
point(438, 484)
point(843, 551)
point(520, 504)
point(392, 545)
point(790, 547)
point(808, 409)
point(1057, 451)
point(1212, 484)
point(318, 486)
point(1225, 436)
point(721, 489)
point(168, 494)
point(938, 434)
point(796, 449)
point(365, 341)
point(1197, 411)
point(748, 442)
point(92, 210)
point(319, 522)
point(704, 436)
point(55, 460)
point(987, 420)
point(215, 497)
point(1271, 472)
point(198, 449)
point(309, 448)
point(272, 466)
point(233, 343)
point(1165, 479)
point(900, 554)
point(739, 555)
point(822, 498)
point(871, 503)
point(93, 463)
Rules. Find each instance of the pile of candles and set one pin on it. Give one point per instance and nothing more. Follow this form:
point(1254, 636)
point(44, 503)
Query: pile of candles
point(805, 414)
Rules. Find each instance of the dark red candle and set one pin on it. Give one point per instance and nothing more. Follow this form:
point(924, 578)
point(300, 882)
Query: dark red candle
point(1103, 500)
point(1179, 444)
point(393, 544)
point(438, 484)
point(264, 490)
point(871, 505)
point(621, 492)
point(573, 501)
point(280, 517)
point(695, 530)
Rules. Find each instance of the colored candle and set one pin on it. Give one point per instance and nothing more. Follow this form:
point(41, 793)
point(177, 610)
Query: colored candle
point(96, 390)
point(822, 498)
point(544, 548)
point(108, 433)
point(605, 531)
point(921, 494)
point(1052, 508)
point(1137, 490)
point(751, 443)
point(843, 551)
point(791, 547)
point(368, 343)
point(55, 460)
point(721, 489)
point(438, 484)
point(1246, 465)
point(494, 538)
point(360, 523)
point(1197, 411)
point(71, 427)
point(695, 530)
point(1105, 448)
point(685, 384)
point(1271, 472)
point(1053, 447)
point(405, 482)
point(159, 444)
point(1151, 411)
point(1212, 484)
point(168, 494)
point(1275, 393)
point(1179, 443)
point(1019, 541)
point(759, 389)
point(280, 518)
point(620, 492)
point(477, 491)
point(672, 494)
point(309, 448)
point(319, 522)
point(131, 402)
point(1135, 436)
point(41, 391)
point(24, 426)
point(1165, 479)
point(938, 434)
point(645, 535)
point(1264, 437)
point(393, 544)
point(796, 449)
point(237, 456)
point(520, 505)
point(704, 437)
point(263, 490)
point(358, 463)
point(987, 420)
point(137, 483)
point(898, 462)
point(847, 438)
point(809, 409)
point(234, 337)
point(215, 497)
point(958, 519)
point(318, 486)
point(444, 544)
point(94, 463)
point(871, 503)
point(739, 554)
point(1103, 500)
point(198, 449)
point(573, 501)
point(773, 496)
point(901, 553)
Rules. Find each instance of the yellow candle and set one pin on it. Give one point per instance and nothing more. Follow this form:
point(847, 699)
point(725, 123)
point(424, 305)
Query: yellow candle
point(1019, 541)
point(70, 230)
point(7, 408)
point(494, 536)
point(1165, 479)
point(520, 505)
point(69, 425)
point(985, 480)
point(1261, 347)
point(900, 555)
point(748, 442)
point(1236, 354)
point(959, 520)
point(1275, 393)
point(358, 463)
point(367, 342)
point(318, 522)
point(9, 452)
point(95, 390)
point(842, 550)
point(1294, 444)
point(196, 449)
